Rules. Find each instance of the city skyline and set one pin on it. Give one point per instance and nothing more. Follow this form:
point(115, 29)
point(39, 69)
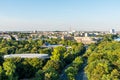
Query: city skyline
point(80, 15)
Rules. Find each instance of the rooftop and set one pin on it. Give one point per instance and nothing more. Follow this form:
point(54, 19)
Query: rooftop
point(30, 55)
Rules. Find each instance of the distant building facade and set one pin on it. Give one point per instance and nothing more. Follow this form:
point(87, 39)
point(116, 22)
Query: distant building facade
point(86, 40)
point(112, 31)
point(67, 37)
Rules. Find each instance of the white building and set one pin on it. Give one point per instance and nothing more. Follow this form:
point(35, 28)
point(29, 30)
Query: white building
point(5, 36)
point(112, 31)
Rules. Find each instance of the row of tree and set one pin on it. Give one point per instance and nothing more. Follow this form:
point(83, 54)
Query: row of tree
point(73, 69)
point(103, 60)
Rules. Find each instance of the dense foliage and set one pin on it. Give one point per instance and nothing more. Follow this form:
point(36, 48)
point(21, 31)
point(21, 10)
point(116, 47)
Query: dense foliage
point(35, 68)
point(58, 61)
point(73, 69)
point(103, 61)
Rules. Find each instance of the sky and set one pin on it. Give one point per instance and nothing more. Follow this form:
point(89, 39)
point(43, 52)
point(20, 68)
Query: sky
point(50, 15)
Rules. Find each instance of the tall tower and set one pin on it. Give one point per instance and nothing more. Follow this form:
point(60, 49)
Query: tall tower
point(112, 31)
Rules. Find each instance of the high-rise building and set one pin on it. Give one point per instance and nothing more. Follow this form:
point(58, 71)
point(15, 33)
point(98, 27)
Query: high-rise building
point(112, 31)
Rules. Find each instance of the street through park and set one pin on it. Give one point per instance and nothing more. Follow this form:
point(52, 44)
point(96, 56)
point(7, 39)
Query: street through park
point(81, 74)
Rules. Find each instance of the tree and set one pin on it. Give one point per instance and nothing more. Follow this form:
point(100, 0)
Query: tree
point(39, 75)
point(78, 61)
point(58, 52)
point(45, 51)
point(68, 57)
point(1, 73)
point(103, 61)
point(51, 74)
point(78, 49)
point(57, 65)
point(9, 68)
point(115, 74)
point(71, 72)
point(73, 69)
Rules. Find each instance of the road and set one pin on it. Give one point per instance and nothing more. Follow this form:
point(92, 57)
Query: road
point(63, 76)
point(81, 74)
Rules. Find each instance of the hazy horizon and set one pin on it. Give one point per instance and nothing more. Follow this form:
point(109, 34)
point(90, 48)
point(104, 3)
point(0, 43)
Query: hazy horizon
point(52, 15)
